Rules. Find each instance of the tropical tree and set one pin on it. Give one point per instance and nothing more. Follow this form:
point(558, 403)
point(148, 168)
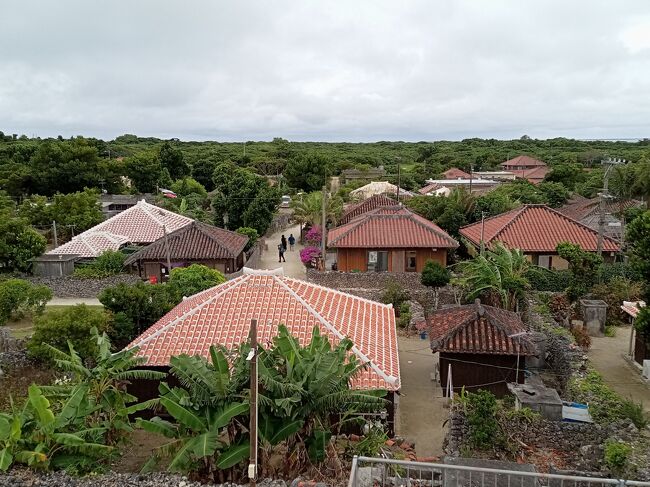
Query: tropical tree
point(583, 266)
point(497, 276)
point(19, 243)
point(187, 281)
point(203, 437)
point(106, 404)
point(435, 275)
point(308, 210)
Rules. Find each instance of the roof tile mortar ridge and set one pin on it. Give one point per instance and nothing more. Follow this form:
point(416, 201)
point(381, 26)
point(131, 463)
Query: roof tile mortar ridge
point(364, 358)
point(175, 321)
point(211, 237)
point(354, 224)
point(500, 215)
point(148, 212)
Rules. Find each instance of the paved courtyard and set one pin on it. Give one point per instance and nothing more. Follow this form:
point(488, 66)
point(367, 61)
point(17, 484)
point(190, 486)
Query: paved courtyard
point(269, 258)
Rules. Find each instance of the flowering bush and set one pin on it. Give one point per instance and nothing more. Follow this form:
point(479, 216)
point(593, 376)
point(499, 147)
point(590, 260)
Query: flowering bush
point(314, 236)
point(309, 253)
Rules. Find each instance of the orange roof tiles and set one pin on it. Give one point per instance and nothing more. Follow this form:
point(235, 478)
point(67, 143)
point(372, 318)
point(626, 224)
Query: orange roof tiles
point(455, 173)
point(365, 206)
point(390, 227)
point(477, 328)
point(140, 224)
point(221, 315)
point(523, 161)
point(536, 228)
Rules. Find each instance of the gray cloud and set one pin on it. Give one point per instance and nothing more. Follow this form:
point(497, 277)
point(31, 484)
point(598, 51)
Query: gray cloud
point(336, 70)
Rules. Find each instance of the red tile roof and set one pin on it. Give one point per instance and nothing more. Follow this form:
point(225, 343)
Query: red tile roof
point(429, 188)
point(522, 161)
point(536, 228)
point(196, 241)
point(477, 328)
point(455, 173)
point(365, 206)
point(584, 208)
point(390, 227)
point(535, 175)
point(221, 315)
point(140, 224)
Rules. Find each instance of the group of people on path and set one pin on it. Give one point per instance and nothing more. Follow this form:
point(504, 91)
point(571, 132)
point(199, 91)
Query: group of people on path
point(282, 246)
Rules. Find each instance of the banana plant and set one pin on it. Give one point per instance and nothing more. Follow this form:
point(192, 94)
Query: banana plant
point(36, 437)
point(205, 435)
point(108, 404)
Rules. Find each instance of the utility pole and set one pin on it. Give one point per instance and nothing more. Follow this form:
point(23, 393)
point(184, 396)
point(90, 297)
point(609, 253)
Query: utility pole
point(324, 226)
point(482, 247)
point(602, 196)
point(252, 358)
point(399, 182)
point(169, 260)
point(56, 239)
point(471, 177)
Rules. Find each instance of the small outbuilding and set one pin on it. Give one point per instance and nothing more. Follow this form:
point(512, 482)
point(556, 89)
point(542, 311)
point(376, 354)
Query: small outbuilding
point(52, 265)
point(196, 243)
point(483, 346)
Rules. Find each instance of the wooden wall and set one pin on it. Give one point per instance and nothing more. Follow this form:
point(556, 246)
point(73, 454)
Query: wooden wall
point(475, 377)
point(349, 260)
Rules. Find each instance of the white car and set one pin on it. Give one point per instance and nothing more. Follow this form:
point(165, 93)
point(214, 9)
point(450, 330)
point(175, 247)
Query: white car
point(286, 201)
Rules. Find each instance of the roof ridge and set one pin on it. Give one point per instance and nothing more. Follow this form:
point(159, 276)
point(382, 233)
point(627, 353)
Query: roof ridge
point(243, 278)
point(444, 235)
point(364, 358)
point(203, 231)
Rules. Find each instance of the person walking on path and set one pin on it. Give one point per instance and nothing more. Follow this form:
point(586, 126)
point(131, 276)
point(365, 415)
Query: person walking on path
point(281, 250)
point(292, 241)
point(283, 241)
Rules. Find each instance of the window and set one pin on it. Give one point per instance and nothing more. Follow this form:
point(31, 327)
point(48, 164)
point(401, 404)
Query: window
point(411, 260)
point(544, 261)
point(377, 261)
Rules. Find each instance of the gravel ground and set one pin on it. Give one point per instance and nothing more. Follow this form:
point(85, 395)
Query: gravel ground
point(26, 478)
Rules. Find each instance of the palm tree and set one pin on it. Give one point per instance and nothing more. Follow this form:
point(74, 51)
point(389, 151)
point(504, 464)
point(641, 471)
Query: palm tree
point(498, 276)
point(309, 209)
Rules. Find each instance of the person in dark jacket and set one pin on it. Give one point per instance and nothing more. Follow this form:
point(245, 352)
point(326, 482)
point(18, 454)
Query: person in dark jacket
point(283, 241)
point(292, 241)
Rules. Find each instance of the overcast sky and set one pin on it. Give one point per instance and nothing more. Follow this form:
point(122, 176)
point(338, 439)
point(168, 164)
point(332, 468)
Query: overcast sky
point(326, 70)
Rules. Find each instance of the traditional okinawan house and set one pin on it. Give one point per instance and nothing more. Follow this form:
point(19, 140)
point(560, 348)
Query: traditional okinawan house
point(372, 203)
point(455, 173)
point(483, 346)
point(639, 344)
point(141, 224)
point(526, 167)
point(196, 243)
point(537, 230)
point(222, 316)
point(587, 212)
point(379, 187)
point(389, 239)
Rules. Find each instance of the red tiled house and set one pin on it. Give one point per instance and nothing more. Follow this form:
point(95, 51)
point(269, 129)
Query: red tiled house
point(196, 243)
point(222, 315)
point(141, 224)
point(478, 342)
point(526, 167)
point(391, 239)
point(537, 230)
point(372, 203)
point(455, 173)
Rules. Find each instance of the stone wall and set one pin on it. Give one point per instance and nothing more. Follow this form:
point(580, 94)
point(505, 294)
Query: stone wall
point(371, 285)
point(74, 287)
point(580, 444)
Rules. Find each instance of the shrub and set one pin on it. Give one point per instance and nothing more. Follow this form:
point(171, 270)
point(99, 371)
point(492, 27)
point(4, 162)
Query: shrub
point(560, 308)
point(121, 331)
point(251, 233)
point(58, 326)
point(314, 236)
point(634, 412)
point(436, 276)
point(143, 304)
point(642, 322)
point(309, 253)
point(481, 411)
point(108, 263)
point(542, 279)
point(583, 340)
point(404, 315)
point(187, 281)
point(18, 297)
point(624, 270)
point(394, 294)
point(617, 456)
point(614, 292)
